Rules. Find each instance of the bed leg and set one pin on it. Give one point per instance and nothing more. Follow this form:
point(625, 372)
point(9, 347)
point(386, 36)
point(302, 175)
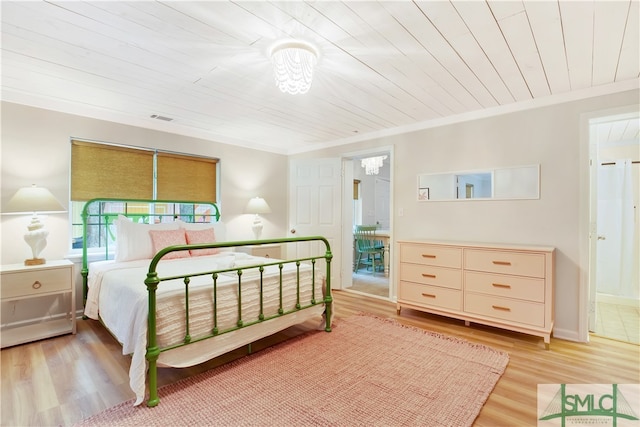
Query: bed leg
point(328, 303)
point(152, 357)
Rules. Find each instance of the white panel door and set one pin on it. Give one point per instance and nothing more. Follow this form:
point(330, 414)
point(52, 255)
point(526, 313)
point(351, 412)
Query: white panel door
point(314, 208)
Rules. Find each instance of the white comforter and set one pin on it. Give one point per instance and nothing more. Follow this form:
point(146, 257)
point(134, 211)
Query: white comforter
point(117, 294)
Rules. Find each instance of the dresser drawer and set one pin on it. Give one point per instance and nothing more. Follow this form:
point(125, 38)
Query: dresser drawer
point(525, 288)
point(505, 262)
point(440, 256)
point(29, 283)
point(512, 310)
point(432, 296)
point(430, 275)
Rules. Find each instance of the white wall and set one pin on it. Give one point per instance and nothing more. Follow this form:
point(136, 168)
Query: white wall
point(549, 136)
point(36, 150)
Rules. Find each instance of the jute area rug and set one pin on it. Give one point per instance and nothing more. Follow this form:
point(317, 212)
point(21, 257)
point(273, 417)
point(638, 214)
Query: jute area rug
point(367, 372)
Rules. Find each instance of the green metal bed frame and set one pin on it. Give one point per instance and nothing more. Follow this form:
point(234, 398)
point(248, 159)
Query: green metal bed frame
point(153, 281)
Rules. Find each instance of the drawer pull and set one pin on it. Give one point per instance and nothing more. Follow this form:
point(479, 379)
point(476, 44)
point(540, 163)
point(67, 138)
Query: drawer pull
point(497, 307)
point(501, 262)
point(36, 285)
point(500, 285)
point(432, 276)
point(428, 256)
point(428, 295)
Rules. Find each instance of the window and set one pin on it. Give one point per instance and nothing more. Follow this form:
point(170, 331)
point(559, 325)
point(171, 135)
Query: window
point(121, 172)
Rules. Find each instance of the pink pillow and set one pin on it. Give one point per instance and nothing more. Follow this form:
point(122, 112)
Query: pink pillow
point(163, 238)
point(206, 235)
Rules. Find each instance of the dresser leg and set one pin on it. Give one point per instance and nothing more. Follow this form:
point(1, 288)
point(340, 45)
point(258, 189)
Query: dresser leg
point(398, 308)
point(467, 323)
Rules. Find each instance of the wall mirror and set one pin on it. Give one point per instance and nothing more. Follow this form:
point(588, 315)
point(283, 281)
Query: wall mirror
point(518, 182)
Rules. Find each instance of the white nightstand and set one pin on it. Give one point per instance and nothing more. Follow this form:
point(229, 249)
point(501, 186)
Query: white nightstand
point(267, 251)
point(20, 282)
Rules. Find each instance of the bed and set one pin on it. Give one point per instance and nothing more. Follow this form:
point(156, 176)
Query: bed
point(175, 293)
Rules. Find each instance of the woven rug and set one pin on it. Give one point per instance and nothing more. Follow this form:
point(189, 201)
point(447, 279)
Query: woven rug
point(367, 372)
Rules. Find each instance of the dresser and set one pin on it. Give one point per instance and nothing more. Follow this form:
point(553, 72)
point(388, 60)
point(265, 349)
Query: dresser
point(28, 283)
point(506, 286)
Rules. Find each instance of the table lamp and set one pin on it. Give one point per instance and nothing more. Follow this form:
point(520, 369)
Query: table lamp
point(33, 200)
point(257, 206)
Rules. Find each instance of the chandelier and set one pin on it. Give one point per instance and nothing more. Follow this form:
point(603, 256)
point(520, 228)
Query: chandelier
point(372, 165)
point(293, 63)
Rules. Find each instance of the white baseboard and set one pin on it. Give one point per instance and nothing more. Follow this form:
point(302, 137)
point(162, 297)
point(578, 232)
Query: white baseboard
point(566, 334)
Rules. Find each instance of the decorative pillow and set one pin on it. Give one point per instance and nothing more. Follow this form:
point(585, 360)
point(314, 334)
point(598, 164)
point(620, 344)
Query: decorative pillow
point(218, 227)
point(206, 235)
point(133, 240)
point(163, 238)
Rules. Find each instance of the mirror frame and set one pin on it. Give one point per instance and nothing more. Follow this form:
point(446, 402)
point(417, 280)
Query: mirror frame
point(528, 175)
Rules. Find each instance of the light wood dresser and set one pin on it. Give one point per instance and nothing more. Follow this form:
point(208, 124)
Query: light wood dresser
point(506, 286)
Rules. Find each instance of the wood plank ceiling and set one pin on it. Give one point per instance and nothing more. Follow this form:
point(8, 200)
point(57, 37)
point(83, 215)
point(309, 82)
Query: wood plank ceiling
point(383, 66)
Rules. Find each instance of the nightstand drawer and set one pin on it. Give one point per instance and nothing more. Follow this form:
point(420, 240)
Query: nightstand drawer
point(29, 283)
point(266, 251)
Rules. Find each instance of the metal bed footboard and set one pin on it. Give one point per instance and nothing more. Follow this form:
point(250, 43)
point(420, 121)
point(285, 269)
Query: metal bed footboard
point(153, 281)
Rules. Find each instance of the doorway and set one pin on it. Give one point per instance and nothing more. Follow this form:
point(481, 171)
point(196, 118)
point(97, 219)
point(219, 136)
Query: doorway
point(368, 201)
point(615, 237)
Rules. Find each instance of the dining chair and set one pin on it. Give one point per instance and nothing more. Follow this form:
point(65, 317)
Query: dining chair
point(368, 251)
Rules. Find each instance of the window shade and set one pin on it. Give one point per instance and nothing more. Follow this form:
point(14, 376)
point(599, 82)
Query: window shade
point(186, 178)
point(101, 170)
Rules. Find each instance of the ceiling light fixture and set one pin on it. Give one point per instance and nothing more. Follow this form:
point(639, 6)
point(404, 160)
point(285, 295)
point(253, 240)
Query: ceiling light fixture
point(293, 63)
point(372, 165)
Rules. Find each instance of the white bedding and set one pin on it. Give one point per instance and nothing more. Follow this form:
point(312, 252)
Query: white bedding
point(117, 295)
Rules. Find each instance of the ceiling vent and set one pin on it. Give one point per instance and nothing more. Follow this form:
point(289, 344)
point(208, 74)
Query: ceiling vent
point(166, 119)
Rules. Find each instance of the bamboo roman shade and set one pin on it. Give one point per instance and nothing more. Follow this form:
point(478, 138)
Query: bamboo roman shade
point(101, 170)
point(113, 171)
point(182, 177)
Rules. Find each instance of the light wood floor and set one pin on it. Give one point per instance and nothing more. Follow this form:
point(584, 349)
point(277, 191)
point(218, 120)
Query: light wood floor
point(62, 380)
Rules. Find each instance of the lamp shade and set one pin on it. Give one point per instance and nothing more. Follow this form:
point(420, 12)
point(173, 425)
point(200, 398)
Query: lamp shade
point(257, 205)
point(33, 199)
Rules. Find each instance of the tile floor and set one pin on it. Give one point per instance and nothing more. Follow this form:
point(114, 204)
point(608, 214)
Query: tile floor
point(621, 322)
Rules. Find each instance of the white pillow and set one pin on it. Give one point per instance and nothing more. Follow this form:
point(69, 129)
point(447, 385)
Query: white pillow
point(218, 227)
point(133, 240)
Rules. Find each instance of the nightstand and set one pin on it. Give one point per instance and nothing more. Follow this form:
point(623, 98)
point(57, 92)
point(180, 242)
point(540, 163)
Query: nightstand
point(267, 251)
point(20, 282)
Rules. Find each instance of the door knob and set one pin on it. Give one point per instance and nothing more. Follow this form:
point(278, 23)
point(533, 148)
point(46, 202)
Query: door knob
point(602, 238)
